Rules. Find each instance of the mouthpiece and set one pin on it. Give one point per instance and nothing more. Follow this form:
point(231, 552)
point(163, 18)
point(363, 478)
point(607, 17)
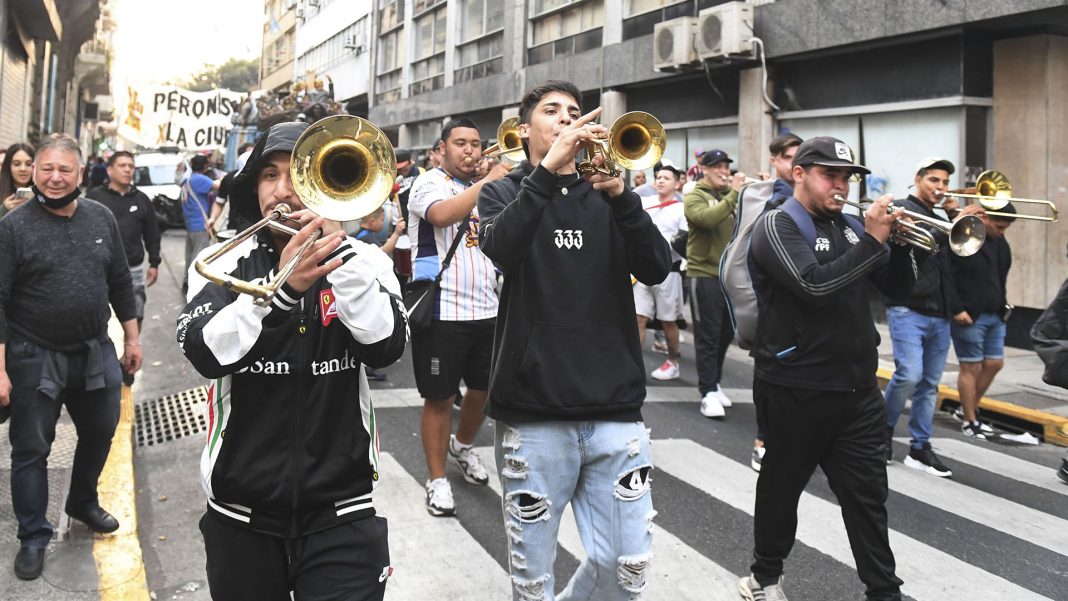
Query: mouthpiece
point(839, 199)
point(468, 161)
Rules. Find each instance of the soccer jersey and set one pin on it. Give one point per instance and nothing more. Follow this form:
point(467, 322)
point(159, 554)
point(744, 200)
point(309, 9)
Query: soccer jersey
point(669, 219)
point(467, 288)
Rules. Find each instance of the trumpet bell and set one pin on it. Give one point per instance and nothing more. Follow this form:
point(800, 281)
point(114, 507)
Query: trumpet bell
point(509, 144)
point(967, 235)
point(636, 140)
point(343, 168)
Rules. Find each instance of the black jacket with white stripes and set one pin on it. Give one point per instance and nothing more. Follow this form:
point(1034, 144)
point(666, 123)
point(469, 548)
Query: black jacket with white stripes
point(292, 444)
point(815, 328)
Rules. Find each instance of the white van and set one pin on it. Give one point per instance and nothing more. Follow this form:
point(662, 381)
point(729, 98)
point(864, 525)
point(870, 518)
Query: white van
point(154, 175)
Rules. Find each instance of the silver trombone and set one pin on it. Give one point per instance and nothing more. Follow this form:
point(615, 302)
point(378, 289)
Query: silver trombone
point(966, 234)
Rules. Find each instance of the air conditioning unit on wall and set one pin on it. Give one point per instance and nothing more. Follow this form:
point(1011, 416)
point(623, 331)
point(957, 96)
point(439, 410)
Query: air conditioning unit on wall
point(673, 43)
point(725, 30)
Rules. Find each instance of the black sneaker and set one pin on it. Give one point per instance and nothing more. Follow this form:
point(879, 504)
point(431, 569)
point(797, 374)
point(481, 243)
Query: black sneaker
point(889, 445)
point(926, 460)
point(973, 429)
point(127, 379)
point(1063, 472)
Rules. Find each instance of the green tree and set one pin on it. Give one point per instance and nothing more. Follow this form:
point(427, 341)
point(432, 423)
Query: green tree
point(235, 74)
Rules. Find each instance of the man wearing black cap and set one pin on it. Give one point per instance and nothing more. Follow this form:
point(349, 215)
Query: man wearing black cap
point(816, 355)
point(292, 452)
point(407, 171)
point(919, 328)
point(709, 209)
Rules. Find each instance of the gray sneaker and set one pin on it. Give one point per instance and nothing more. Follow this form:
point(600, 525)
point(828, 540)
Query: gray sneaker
point(752, 591)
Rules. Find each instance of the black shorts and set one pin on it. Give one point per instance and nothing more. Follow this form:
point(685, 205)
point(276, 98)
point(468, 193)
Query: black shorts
point(450, 351)
point(350, 562)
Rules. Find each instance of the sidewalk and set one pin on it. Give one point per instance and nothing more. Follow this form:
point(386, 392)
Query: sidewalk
point(1017, 400)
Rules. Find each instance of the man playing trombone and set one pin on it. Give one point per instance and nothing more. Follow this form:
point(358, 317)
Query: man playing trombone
point(919, 327)
point(815, 360)
point(292, 449)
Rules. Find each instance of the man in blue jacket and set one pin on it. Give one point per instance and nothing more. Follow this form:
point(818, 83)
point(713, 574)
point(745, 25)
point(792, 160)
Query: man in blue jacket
point(568, 378)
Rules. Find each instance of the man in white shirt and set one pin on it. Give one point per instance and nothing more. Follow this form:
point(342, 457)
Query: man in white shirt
point(664, 300)
point(459, 343)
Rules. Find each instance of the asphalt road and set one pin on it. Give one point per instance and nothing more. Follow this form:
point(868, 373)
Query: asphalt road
point(996, 530)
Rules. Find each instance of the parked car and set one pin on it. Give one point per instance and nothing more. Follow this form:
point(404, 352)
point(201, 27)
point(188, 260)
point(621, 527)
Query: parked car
point(154, 175)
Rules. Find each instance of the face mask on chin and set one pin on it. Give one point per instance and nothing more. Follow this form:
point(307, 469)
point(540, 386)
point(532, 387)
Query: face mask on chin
point(54, 203)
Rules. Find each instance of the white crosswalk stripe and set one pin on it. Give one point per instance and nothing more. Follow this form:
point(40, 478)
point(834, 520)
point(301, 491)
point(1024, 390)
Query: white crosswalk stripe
point(676, 572)
point(420, 544)
point(681, 572)
point(820, 526)
point(390, 398)
point(977, 454)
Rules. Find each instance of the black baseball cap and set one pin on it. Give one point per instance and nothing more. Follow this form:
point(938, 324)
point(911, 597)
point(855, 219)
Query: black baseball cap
point(829, 152)
point(403, 156)
point(715, 156)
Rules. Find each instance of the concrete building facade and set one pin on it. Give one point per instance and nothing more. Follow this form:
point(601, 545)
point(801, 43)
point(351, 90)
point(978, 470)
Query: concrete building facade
point(980, 82)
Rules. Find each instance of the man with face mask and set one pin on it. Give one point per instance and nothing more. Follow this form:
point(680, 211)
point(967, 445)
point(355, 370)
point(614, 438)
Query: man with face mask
point(292, 453)
point(815, 354)
point(61, 265)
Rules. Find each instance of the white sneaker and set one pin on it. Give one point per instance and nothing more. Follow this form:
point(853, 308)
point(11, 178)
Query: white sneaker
point(667, 371)
point(710, 406)
point(757, 458)
point(468, 462)
point(439, 501)
point(723, 400)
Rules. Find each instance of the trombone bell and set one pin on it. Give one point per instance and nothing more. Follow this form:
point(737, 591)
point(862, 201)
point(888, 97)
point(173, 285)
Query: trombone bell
point(509, 144)
point(993, 192)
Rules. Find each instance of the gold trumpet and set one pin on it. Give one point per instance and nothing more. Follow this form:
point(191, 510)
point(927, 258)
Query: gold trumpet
point(509, 145)
point(635, 141)
point(966, 234)
point(993, 192)
point(342, 168)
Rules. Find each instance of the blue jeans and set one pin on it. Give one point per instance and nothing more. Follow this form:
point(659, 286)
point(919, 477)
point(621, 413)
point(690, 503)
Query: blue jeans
point(921, 344)
point(602, 468)
point(33, 428)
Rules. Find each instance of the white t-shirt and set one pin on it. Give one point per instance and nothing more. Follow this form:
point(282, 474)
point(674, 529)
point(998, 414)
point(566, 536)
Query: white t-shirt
point(668, 219)
point(466, 292)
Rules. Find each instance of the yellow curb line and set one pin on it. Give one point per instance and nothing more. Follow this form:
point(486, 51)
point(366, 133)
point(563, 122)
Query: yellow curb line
point(1054, 427)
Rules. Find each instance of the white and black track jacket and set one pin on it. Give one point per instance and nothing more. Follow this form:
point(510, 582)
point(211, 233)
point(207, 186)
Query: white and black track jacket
point(292, 444)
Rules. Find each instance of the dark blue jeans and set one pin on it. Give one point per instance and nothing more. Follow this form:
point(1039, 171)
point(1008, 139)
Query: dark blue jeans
point(33, 428)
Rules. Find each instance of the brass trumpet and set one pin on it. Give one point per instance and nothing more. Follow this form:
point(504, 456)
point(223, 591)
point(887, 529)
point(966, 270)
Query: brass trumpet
point(342, 168)
point(635, 141)
point(509, 145)
point(993, 191)
point(966, 234)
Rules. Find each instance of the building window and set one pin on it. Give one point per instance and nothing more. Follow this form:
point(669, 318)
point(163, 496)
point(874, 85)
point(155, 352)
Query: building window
point(335, 49)
point(566, 31)
point(390, 60)
point(428, 65)
point(541, 7)
point(421, 6)
point(390, 14)
point(425, 133)
point(637, 7)
point(480, 17)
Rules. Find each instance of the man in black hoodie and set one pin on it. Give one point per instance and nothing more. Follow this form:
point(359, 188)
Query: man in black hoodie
point(292, 452)
point(568, 377)
point(816, 353)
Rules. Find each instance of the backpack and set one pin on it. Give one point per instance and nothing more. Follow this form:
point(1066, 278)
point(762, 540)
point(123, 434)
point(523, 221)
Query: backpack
point(735, 269)
point(1049, 335)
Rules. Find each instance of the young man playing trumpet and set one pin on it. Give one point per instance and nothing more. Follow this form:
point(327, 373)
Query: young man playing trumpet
point(568, 381)
point(457, 345)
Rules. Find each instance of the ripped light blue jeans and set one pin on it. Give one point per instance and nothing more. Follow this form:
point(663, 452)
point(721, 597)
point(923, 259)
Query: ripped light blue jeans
point(602, 468)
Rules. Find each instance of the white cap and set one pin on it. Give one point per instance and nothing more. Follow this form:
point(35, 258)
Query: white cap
point(935, 162)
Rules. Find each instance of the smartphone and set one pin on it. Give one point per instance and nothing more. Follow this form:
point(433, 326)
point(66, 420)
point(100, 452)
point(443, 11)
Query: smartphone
point(23, 194)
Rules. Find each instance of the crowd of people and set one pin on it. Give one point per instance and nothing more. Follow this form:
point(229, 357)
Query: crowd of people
point(544, 279)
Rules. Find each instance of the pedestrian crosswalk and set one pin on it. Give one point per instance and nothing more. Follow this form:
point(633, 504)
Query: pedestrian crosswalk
point(457, 558)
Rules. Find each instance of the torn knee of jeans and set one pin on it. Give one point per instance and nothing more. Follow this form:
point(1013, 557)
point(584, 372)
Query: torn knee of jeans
point(519, 561)
point(649, 520)
point(631, 572)
point(514, 467)
point(510, 439)
point(527, 506)
point(530, 590)
point(634, 446)
point(634, 484)
point(515, 533)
